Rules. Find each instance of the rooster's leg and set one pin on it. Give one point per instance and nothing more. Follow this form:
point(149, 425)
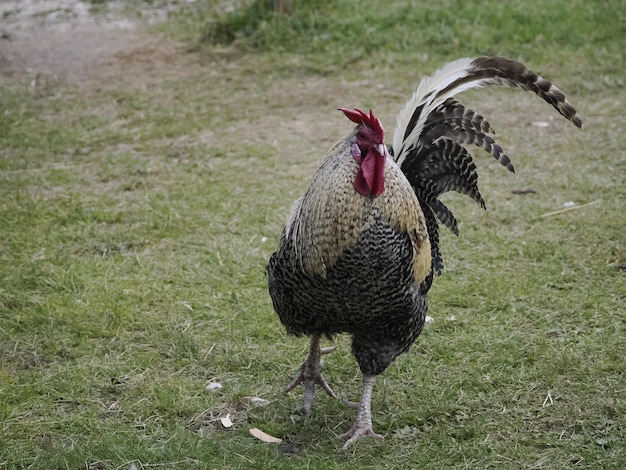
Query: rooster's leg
point(311, 374)
point(363, 424)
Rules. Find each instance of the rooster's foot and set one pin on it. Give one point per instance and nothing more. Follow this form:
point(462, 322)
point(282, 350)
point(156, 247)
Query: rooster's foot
point(363, 424)
point(358, 431)
point(311, 374)
point(309, 379)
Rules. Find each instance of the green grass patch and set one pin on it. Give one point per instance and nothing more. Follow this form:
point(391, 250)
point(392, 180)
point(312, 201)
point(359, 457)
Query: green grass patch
point(343, 33)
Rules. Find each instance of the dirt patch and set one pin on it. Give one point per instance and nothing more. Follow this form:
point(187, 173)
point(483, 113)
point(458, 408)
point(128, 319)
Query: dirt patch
point(80, 44)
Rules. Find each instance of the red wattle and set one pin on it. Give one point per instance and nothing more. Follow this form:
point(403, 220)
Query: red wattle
point(378, 185)
point(370, 179)
point(361, 185)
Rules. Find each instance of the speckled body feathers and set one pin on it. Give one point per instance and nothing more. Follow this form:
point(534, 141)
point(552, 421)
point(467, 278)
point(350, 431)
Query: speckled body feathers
point(353, 264)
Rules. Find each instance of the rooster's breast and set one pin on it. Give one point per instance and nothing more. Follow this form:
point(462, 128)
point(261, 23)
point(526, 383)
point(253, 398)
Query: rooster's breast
point(369, 288)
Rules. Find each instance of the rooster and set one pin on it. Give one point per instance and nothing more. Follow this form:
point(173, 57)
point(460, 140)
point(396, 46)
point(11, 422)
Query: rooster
point(361, 247)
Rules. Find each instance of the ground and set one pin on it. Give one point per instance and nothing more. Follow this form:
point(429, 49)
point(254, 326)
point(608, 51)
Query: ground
point(113, 49)
point(64, 39)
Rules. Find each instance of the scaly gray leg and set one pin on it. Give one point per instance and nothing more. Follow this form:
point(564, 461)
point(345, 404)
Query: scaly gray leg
point(311, 374)
point(363, 424)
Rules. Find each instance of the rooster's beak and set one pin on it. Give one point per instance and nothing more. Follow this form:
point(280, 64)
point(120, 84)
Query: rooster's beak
point(381, 149)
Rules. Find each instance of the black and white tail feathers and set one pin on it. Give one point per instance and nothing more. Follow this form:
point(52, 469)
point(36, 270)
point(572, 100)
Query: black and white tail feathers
point(433, 127)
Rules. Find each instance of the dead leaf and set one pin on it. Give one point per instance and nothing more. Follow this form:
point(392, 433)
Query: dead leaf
point(226, 422)
point(213, 386)
point(256, 400)
point(263, 436)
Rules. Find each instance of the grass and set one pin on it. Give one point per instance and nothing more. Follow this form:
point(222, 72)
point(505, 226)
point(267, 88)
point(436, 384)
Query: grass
point(136, 221)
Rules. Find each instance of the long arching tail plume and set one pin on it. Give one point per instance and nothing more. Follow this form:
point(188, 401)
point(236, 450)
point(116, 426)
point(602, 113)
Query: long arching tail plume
point(433, 127)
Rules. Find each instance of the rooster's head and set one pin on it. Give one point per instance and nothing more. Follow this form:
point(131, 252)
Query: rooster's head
point(369, 152)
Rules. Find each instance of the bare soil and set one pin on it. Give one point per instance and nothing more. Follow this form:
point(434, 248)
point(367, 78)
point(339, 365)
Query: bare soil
point(82, 44)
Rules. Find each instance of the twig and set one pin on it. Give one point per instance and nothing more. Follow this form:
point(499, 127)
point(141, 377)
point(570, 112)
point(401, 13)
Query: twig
point(548, 400)
point(567, 209)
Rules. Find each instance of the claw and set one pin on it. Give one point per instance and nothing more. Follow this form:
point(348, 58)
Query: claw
point(351, 404)
point(319, 380)
point(297, 381)
point(355, 433)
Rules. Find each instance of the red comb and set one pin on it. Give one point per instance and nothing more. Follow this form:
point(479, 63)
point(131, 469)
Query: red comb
point(359, 116)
